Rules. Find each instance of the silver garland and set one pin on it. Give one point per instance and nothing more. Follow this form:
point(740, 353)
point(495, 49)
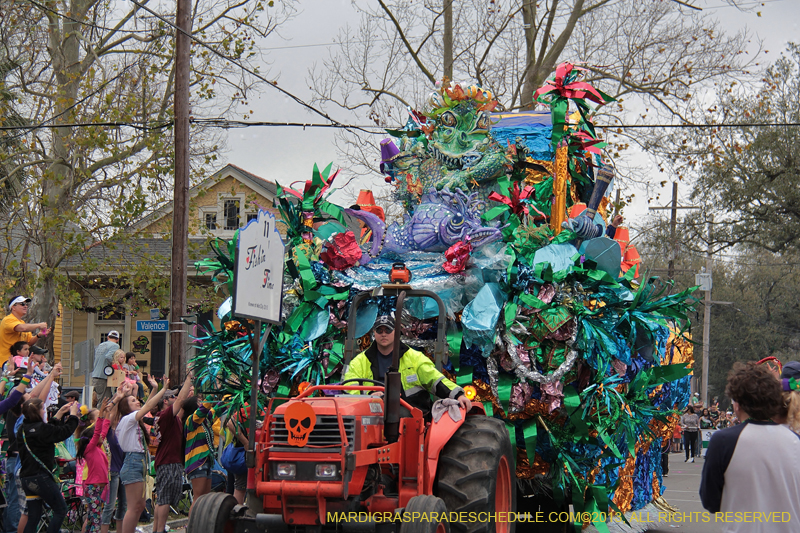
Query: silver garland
point(524, 374)
point(491, 369)
point(426, 345)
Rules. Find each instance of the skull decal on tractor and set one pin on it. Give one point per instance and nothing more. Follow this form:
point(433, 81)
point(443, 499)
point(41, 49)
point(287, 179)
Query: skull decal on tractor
point(300, 421)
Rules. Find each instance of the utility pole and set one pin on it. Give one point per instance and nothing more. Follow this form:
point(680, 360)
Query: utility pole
point(447, 39)
point(707, 318)
point(180, 213)
point(673, 227)
point(673, 222)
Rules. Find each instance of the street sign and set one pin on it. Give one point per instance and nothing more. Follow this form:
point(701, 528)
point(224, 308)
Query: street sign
point(703, 280)
point(83, 358)
point(152, 325)
point(155, 314)
point(258, 285)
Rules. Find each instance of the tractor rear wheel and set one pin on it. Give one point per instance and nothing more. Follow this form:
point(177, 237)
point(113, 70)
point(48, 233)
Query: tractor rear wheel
point(475, 474)
point(211, 514)
point(423, 524)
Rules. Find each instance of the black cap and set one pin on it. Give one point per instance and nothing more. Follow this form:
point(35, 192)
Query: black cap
point(791, 370)
point(385, 321)
point(73, 394)
point(38, 351)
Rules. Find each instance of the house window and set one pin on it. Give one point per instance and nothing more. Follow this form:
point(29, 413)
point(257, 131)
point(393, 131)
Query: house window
point(231, 213)
point(211, 221)
point(251, 216)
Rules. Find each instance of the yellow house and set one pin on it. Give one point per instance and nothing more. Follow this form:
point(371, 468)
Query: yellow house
point(219, 206)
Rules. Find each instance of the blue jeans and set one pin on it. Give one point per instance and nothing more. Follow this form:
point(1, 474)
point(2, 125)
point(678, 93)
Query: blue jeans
point(12, 513)
point(50, 493)
point(133, 468)
point(116, 495)
point(203, 471)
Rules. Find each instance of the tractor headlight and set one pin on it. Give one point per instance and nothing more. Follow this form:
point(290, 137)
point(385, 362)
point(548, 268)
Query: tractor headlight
point(326, 471)
point(286, 470)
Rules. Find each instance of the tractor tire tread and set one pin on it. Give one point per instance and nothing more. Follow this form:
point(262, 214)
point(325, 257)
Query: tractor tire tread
point(467, 471)
point(424, 504)
point(210, 513)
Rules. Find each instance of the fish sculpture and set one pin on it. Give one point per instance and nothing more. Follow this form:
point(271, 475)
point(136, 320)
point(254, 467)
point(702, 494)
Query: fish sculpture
point(442, 219)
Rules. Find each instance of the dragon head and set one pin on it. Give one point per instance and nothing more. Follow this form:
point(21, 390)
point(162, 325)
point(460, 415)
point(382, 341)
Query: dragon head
point(462, 121)
point(464, 220)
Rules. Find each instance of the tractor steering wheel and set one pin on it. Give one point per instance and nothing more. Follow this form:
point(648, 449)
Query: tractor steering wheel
point(363, 380)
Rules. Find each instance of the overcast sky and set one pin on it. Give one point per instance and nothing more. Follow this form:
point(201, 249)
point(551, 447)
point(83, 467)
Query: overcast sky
point(288, 154)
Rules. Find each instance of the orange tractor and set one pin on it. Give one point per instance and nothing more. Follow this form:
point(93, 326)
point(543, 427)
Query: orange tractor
point(364, 463)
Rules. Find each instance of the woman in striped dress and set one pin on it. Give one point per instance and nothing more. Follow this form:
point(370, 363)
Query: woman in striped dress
point(199, 419)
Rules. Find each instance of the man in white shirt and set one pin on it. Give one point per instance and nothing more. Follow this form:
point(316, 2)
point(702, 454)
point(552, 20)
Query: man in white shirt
point(753, 467)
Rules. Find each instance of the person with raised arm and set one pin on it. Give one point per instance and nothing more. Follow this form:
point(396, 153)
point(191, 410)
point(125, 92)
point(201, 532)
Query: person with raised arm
point(169, 456)
point(132, 439)
point(90, 449)
point(15, 516)
point(36, 442)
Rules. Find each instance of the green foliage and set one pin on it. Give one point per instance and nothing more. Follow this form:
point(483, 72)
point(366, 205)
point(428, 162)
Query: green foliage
point(88, 185)
point(746, 177)
point(764, 291)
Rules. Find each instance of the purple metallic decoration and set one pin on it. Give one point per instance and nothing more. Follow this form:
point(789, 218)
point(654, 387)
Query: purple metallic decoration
point(441, 219)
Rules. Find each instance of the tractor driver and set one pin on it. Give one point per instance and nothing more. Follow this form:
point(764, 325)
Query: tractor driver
point(418, 374)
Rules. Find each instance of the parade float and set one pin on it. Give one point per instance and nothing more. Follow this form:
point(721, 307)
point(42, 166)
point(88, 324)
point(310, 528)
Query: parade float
point(552, 323)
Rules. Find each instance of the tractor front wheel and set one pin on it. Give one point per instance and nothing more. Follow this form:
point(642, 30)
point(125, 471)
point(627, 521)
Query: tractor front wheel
point(419, 511)
point(211, 514)
point(475, 475)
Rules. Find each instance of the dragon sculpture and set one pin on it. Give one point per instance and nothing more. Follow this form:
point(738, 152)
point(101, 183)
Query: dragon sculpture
point(449, 147)
point(441, 220)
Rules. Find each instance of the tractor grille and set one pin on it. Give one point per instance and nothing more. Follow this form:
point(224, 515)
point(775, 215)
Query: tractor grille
point(325, 432)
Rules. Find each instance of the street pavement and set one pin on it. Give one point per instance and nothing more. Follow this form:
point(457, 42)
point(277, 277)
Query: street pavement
point(682, 491)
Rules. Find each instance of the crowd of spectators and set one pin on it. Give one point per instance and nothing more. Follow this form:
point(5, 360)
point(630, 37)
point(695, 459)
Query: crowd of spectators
point(116, 452)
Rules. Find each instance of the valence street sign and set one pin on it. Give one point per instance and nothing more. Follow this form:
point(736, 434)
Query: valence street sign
point(258, 285)
point(152, 325)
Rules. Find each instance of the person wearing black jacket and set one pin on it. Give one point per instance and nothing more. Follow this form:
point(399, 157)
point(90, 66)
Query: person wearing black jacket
point(36, 440)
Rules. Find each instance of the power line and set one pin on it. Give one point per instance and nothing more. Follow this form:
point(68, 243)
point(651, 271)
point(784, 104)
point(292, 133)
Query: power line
point(227, 124)
point(703, 126)
point(366, 128)
point(215, 52)
point(136, 125)
point(67, 110)
point(241, 66)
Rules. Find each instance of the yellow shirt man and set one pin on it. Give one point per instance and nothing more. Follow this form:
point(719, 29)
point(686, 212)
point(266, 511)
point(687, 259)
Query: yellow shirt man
point(14, 329)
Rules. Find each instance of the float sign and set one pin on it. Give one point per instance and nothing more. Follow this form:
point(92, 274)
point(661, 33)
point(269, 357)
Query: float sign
point(258, 285)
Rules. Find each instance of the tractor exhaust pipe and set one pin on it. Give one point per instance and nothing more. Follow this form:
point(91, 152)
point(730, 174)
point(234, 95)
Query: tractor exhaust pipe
point(393, 383)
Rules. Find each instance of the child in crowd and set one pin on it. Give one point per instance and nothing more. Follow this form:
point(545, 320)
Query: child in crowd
point(90, 450)
point(132, 373)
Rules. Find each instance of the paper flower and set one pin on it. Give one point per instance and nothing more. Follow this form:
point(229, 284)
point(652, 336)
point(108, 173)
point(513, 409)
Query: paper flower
point(565, 83)
point(516, 200)
point(342, 251)
point(456, 257)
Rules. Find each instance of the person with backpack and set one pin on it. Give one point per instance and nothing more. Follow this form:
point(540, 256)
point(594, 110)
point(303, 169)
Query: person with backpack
point(199, 451)
point(36, 441)
point(15, 515)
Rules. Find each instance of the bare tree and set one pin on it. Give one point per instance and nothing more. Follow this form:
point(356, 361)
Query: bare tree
point(650, 52)
point(84, 63)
